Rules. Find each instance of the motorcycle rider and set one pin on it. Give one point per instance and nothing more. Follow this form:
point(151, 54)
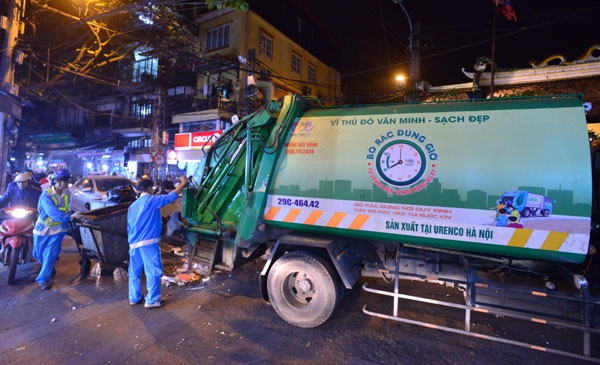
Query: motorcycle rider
point(51, 226)
point(21, 192)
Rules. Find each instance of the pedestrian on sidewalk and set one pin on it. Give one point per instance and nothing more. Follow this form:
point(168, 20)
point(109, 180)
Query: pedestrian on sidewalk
point(144, 228)
point(51, 226)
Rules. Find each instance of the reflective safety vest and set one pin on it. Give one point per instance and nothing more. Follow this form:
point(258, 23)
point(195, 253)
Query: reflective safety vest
point(62, 205)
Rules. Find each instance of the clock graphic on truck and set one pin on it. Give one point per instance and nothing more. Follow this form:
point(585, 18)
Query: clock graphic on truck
point(401, 163)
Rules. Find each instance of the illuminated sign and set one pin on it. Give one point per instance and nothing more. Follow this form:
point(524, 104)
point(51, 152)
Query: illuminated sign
point(196, 140)
point(171, 156)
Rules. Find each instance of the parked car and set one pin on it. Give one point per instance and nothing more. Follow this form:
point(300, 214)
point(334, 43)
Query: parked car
point(91, 192)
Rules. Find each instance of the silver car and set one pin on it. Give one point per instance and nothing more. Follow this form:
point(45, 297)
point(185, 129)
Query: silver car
point(91, 192)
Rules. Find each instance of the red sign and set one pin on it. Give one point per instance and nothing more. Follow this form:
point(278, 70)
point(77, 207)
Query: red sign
point(171, 155)
point(159, 158)
point(196, 140)
point(182, 140)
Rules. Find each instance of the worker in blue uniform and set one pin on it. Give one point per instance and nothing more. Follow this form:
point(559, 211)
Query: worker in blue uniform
point(144, 228)
point(51, 226)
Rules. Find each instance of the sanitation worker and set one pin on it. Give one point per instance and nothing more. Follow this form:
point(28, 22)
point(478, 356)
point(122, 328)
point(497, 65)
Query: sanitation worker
point(51, 226)
point(144, 227)
point(21, 192)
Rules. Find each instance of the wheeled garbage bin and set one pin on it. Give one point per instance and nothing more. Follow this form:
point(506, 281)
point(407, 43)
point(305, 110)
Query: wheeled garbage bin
point(101, 235)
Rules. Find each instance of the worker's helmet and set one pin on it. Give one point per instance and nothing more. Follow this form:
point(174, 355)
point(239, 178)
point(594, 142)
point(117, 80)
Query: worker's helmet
point(61, 174)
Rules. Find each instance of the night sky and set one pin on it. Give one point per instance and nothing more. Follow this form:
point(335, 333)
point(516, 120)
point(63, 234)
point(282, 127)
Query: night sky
point(373, 36)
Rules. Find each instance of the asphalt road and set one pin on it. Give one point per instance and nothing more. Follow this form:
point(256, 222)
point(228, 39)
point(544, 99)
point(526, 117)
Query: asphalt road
point(90, 321)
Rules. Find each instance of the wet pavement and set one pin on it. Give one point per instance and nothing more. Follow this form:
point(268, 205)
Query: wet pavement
point(221, 320)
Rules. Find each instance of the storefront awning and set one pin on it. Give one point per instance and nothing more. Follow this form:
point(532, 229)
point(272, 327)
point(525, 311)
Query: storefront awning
point(201, 116)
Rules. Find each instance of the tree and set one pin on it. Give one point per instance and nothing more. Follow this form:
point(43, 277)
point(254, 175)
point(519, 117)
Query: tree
point(220, 4)
point(85, 39)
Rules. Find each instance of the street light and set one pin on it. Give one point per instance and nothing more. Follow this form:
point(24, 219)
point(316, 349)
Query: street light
point(400, 82)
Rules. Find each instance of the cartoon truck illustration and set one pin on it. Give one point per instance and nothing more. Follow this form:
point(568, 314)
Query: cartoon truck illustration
point(527, 203)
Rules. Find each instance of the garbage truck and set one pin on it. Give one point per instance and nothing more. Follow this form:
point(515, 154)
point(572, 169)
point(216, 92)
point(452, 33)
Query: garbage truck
point(330, 195)
point(527, 203)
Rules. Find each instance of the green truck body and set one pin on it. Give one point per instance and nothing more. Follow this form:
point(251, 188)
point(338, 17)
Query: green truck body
point(334, 192)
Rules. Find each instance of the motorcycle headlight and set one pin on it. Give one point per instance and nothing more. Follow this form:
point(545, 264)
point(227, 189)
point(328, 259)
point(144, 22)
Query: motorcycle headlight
point(19, 213)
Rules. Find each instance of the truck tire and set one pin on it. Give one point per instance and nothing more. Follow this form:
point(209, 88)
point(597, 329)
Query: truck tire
point(303, 289)
point(545, 212)
point(14, 261)
point(526, 212)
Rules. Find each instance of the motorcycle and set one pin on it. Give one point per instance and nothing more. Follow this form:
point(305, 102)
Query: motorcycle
point(16, 234)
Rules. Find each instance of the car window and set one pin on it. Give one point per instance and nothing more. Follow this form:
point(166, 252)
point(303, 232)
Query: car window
point(107, 184)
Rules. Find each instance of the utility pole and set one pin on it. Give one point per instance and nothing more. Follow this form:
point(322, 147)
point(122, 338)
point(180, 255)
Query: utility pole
point(414, 54)
point(7, 73)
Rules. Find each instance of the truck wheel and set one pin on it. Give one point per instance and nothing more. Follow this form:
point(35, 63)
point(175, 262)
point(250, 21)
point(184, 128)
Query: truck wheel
point(14, 261)
point(303, 289)
point(545, 212)
point(526, 212)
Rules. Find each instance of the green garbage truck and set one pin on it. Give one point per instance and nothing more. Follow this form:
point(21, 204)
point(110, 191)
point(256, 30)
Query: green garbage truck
point(398, 191)
point(527, 203)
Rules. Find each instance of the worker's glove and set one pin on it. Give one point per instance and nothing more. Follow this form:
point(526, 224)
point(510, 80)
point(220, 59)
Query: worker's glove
point(76, 216)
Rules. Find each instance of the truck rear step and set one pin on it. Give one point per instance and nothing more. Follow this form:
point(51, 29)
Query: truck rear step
point(203, 256)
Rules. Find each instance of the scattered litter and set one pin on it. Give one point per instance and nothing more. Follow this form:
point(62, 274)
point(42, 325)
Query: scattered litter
point(19, 348)
point(183, 277)
point(177, 251)
point(168, 280)
point(199, 306)
point(196, 287)
point(53, 320)
point(73, 309)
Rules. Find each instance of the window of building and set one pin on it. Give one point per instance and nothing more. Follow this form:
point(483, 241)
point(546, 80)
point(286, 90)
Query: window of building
point(312, 73)
point(217, 37)
point(140, 107)
point(144, 66)
point(266, 45)
point(180, 90)
point(296, 63)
